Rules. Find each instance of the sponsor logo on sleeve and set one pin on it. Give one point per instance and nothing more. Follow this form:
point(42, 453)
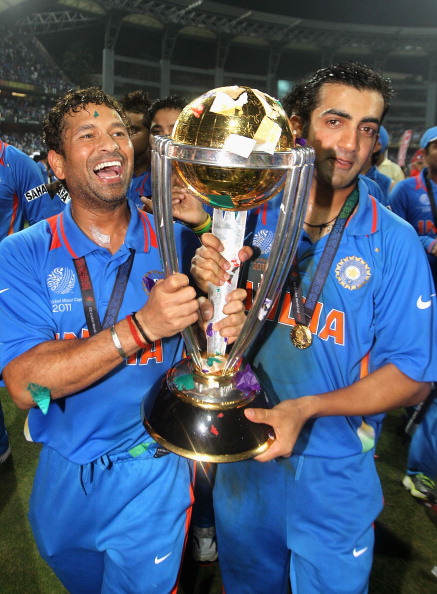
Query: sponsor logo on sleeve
point(35, 193)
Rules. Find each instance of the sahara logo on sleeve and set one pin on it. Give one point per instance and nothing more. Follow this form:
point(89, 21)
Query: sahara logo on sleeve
point(35, 193)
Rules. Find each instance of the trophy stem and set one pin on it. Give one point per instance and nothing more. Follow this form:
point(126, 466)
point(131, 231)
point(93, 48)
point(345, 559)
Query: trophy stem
point(229, 227)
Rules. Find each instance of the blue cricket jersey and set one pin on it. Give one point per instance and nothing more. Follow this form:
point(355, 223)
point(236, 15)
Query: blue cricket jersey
point(23, 194)
point(41, 300)
point(141, 185)
point(375, 308)
point(409, 199)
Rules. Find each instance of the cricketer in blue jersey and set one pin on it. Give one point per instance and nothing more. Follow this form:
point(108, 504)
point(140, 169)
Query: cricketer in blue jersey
point(23, 193)
point(412, 200)
point(136, 105)
point(23, 198)
point(305, 514)
point(89, 326)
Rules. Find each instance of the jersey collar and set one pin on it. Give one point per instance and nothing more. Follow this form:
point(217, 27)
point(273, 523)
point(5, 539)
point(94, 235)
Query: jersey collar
point(365, 219)
point(140, 234)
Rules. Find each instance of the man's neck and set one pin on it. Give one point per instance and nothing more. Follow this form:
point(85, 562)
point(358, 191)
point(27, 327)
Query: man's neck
point(107, 228)
point(141, 164)
point(324, 206)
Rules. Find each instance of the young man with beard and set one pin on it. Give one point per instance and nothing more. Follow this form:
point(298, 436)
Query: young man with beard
point(89, 326)
point(335, 353)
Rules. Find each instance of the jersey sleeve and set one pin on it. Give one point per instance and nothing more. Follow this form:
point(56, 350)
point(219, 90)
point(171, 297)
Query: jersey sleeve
point(25, 312)
point(405, 307)
point(35, 201)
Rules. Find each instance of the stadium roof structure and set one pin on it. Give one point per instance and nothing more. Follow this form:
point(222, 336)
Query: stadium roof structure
point(176, 42)
point(212, 19)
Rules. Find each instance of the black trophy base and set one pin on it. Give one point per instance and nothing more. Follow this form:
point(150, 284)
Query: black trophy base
point(211, 430)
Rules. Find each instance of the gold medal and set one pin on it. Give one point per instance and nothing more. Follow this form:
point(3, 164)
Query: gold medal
point(301, 336)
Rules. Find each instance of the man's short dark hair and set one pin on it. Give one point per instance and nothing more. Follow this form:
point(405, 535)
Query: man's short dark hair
point(303, 99)
point(169, 102)
point(137, 102)
point(74, 101)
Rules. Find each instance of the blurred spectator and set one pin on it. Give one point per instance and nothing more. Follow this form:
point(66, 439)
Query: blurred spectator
point(383, 163)
point(40, 159)
point(417, 162)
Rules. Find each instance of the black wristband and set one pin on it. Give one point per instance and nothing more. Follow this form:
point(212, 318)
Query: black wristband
point(141, 331)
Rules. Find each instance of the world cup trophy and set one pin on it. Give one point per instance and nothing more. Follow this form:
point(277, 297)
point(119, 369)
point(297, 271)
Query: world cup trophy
point(234, 149)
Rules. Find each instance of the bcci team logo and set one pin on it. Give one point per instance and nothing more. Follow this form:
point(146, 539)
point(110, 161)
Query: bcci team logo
point(61, 280)
point(263, 240)
point(352, 272)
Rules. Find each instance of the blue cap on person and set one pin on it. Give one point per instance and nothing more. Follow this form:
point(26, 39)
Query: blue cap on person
point(429, 136)
point(383, 139)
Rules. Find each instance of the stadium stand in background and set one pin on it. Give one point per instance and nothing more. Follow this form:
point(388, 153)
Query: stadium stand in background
point(29, 83)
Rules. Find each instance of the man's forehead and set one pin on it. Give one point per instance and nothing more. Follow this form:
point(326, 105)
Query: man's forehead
point(90, 112)
point(339, 96)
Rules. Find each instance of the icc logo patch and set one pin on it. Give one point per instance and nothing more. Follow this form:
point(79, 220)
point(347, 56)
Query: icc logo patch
point(61, 280)
point(352, 272)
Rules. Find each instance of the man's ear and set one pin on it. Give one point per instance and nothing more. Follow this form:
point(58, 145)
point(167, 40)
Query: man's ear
point(57, 163)
point(296, 125)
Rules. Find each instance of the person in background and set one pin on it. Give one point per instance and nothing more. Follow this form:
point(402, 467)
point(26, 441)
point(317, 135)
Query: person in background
point(41, 160)
point(161, 118)
point(333, 353)
point(23, 200)
point(163, 114)
point(417, 163)
point(109, 507)
point(415, 200)
point(383, 163)
point(136, 105)
point(371, 171)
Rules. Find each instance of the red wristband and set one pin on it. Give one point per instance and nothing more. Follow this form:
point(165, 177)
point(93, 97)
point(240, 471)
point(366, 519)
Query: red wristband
point(134, 332)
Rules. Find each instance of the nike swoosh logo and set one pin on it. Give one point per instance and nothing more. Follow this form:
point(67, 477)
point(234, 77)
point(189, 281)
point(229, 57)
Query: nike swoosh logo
point(159, 560)
point(3, 290)
point(424, 304)
point(356, 553)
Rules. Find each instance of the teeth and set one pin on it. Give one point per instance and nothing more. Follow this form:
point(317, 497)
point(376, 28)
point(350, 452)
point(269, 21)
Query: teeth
point(107, 164)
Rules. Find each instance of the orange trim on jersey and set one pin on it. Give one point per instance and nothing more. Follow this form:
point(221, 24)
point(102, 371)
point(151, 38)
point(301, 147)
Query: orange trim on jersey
point(419, 182)
point(15, 203)
point(364, 366)
point(187, 527)
point(56, 240)
point(374, 214)
point(64, 237)
point(149, 233)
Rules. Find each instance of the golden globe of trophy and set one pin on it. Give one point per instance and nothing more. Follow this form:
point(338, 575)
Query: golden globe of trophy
point(233, 147)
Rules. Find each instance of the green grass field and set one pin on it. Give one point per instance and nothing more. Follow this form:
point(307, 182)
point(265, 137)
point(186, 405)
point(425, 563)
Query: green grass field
point(406, 543)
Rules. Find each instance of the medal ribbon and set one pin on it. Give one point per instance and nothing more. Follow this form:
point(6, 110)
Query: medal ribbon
point(89, 300)
point(303, 313)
